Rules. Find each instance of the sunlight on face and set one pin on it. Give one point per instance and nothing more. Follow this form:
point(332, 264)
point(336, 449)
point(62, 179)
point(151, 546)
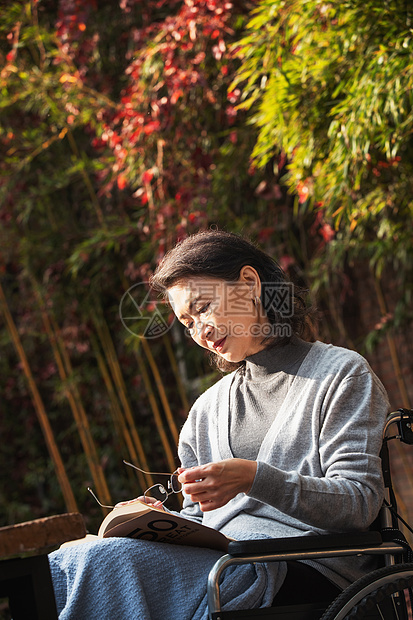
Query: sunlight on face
point(221, 316)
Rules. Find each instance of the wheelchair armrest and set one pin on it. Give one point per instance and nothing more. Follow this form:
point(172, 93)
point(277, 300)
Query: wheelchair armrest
point(264, 546)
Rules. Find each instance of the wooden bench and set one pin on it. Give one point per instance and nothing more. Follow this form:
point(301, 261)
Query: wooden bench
point(24, 567)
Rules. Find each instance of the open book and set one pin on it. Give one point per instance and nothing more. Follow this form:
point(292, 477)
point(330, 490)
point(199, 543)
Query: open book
point(144, 521)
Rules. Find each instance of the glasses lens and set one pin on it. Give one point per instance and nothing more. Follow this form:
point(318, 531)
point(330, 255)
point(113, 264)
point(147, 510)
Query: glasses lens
point(176, 486)
point(158, 492)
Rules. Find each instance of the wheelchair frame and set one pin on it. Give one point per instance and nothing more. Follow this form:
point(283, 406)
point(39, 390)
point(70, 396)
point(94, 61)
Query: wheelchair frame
point(394, 550)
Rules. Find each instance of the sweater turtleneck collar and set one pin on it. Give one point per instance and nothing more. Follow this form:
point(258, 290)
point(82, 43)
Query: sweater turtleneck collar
point(287, 358)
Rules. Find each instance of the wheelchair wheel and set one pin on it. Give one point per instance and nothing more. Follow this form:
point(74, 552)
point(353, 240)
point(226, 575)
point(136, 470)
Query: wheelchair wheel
point(385, 594)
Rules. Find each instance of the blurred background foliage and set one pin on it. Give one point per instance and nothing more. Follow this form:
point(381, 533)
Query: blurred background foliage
point(128, 125)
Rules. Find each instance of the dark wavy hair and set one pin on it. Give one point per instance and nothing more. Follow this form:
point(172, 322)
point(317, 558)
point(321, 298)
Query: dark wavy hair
point(222, 255)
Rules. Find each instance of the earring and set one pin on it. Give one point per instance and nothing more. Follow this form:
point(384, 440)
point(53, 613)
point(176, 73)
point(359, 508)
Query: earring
point(256, 301)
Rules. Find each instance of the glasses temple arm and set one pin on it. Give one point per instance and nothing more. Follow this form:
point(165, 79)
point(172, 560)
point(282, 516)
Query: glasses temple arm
point(150, 473)
point(96, 499)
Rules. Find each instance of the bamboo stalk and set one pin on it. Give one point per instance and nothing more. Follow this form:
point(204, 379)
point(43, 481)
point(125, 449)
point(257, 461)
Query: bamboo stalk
point(159, 164)
point(87, 181)
point(72, 394)
point(161, 390)
point(175, 370)
point(83, 426)
point(400, 380)
point(392, 346)
point(35, 19)
point(117, 415)
point(54, 453)
point(157, 416)
point(118, 380)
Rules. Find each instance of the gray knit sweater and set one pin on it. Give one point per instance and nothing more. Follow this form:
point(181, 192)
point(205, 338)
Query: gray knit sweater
point(318, 461)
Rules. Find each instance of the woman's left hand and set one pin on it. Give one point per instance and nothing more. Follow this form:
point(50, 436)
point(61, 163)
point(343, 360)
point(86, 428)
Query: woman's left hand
point(213, 485)
point(145, 500)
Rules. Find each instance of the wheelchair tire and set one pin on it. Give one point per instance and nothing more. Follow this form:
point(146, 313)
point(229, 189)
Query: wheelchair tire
point(373, 592)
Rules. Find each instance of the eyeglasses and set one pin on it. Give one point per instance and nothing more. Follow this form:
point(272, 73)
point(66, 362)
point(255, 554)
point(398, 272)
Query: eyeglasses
point(158, 491)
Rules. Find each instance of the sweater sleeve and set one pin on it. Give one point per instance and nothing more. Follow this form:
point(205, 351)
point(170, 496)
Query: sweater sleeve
point(347, 492)
point(188, 458)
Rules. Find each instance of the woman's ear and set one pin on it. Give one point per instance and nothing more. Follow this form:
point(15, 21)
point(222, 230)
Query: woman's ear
point(249, 276)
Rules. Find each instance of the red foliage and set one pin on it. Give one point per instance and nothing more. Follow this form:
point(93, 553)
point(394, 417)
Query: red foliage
point(71, 30)
point(153, 133)
point(322, 228)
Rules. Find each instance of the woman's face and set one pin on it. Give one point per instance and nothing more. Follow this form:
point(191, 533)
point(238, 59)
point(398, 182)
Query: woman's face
point(222, 316)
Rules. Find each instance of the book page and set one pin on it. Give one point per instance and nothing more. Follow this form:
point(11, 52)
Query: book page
point(155, 524)
point(120, 514)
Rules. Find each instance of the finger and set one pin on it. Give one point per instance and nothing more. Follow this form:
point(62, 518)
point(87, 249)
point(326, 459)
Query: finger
point(147, 499)
point(151, 501)
point(191, 475)
point(129, 501)
point(209, 504)
point(205, 496)
point(158, 504)
point(208, 484)
point(192, 488)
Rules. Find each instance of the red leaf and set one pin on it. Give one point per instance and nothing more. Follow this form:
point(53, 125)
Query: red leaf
point(151, 127)
point(121, 181)
point(147, 176)
point(176, 95)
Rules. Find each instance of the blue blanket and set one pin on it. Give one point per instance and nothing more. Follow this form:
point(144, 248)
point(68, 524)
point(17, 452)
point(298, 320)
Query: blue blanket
point(124, 579)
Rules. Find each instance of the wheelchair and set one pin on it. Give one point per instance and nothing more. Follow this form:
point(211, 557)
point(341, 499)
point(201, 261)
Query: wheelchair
point(384, 594)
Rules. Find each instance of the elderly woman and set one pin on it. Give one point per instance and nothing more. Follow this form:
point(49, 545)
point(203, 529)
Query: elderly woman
point(285, 444)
